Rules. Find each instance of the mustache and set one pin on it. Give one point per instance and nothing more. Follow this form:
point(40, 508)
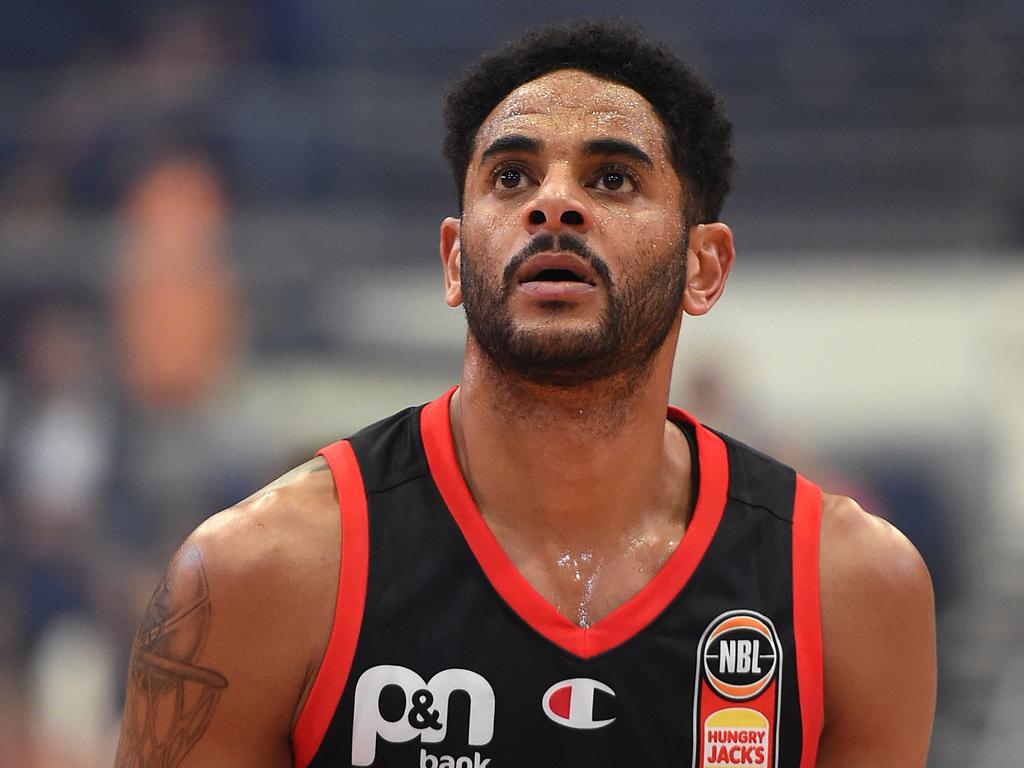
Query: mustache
point(548, 242)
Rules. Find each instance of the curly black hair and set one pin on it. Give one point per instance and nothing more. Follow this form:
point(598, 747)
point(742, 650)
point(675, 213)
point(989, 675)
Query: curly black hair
point(700, 135)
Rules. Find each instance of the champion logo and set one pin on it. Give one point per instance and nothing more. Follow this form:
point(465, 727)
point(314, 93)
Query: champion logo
point(571, 703)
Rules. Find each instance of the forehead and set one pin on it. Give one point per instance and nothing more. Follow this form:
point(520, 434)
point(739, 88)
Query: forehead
point(569, 103)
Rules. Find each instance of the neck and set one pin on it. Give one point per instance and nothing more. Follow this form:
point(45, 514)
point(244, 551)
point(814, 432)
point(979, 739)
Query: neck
point(571, 468)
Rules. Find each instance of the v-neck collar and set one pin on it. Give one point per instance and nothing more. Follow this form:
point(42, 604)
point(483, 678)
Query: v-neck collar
point(638, 611)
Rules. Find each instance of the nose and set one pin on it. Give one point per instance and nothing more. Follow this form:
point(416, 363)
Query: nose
point(559, 205)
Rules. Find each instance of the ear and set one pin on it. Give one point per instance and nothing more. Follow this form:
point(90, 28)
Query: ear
point(708, 263)
point(451, 260)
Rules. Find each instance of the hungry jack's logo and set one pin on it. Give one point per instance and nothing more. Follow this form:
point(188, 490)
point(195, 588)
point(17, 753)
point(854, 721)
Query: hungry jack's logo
point(737, 694)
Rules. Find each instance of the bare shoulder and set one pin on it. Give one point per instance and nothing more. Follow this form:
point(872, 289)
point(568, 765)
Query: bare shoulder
point(276, 554)
point(290, 526)
point(236, 630)
point(272, 562)
point(878, 626)
point(864, 552)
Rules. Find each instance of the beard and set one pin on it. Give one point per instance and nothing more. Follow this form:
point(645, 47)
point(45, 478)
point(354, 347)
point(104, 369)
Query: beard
point(640, 311)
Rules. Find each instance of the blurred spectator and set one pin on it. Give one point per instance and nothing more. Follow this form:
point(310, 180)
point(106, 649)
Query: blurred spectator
point(177, 319)
point(175, 302)
point(56, 465)
point(72, 676)
point(57, 459)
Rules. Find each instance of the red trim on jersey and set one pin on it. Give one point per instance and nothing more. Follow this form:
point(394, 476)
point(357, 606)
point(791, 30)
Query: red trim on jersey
point(629, 618)
point(348, 613)
point(807, 615)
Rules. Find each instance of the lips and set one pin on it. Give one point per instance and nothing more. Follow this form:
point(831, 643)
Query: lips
point(560, 267)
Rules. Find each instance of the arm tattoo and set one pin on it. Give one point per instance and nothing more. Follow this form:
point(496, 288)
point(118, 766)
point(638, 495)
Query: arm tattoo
point(171, 699)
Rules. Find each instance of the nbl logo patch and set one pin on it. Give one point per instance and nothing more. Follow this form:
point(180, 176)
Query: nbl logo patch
point(739, 656)
point(738, 692)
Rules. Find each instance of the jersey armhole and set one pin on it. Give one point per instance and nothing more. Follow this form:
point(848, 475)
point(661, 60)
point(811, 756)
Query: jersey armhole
point(332, 676)
point(807, 615)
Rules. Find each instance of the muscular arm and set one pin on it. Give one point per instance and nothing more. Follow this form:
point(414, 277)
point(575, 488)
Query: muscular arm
point(878, 625)
point(234, 633)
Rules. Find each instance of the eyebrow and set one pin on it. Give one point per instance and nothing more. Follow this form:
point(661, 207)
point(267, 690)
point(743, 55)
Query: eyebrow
point(618, 147)
point(514, 143)
point(595, 147)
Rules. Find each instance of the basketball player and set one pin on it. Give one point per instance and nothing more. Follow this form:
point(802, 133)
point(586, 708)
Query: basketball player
point(548, 565)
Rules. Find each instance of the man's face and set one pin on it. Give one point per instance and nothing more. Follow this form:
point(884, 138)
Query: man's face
point(573, 245)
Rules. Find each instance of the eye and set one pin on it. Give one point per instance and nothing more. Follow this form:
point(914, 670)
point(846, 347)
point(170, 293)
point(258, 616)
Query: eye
point(510, 178)
point(615, 180)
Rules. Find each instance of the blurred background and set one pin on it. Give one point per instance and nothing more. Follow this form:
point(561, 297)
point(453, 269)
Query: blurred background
point(218, 251)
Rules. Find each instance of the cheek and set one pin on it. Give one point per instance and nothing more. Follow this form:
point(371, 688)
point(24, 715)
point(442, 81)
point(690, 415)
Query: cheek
point(641, 234)
point(664, 222)
point(487, 230)
point(482, 247)
point(476, 208)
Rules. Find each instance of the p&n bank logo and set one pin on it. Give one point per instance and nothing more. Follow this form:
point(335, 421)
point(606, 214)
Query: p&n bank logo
point(424, 716)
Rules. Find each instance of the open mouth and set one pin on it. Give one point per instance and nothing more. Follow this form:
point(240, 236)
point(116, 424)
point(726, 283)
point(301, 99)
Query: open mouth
point(557, 268)
point(557, 276)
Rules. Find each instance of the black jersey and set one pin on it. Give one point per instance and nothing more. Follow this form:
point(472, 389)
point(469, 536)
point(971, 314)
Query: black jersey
point(443, 656)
